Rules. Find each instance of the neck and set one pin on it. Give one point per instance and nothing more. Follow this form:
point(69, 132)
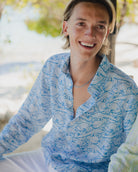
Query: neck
point(83, 71)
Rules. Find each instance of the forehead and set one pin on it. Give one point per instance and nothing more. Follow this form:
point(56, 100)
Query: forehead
point(88, 9)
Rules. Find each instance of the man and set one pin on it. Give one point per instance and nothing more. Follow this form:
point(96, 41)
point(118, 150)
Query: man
point(93, 104)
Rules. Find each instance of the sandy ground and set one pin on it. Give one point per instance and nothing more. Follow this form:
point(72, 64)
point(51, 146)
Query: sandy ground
point(21, 63)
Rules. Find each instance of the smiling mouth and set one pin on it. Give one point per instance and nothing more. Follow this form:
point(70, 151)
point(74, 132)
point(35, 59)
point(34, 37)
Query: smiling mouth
point(87, 45)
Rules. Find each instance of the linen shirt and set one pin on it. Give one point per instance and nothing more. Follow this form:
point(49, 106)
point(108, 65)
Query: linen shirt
point(101, 124)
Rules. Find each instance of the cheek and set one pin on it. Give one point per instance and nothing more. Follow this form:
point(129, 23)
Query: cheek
point(74, 31)
point(102, 37)
point(71, 40)
point(73, 36)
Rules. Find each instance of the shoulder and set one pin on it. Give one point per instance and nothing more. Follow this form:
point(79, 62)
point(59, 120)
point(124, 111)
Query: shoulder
point(54, 64)
point(120, 78)
point(116, 80)
point(121, 86)
point(58, 58)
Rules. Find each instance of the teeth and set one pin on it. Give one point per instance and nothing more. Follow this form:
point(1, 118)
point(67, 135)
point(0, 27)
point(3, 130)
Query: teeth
point(86, 44)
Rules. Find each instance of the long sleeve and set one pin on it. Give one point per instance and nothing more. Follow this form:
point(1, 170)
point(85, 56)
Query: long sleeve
point(126, 158)
point(31, 118)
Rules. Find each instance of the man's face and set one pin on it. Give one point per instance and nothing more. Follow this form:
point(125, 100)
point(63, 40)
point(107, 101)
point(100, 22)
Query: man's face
point(87, 28)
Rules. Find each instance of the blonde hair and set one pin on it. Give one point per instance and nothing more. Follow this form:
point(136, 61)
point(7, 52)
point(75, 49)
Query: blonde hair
point(112, 18)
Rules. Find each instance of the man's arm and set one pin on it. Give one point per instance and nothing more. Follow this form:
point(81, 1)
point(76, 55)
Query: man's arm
point(31, 118)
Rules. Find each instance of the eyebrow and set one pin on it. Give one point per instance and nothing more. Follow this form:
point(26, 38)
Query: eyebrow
point(81, 19)
point(102, 21)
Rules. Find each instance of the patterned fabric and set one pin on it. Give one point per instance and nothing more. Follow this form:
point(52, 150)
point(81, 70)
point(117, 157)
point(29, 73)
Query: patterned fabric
point(83, 143)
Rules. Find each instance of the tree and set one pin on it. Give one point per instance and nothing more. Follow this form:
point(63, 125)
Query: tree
point(50, 14)
point(112, 39)
point(127, 10)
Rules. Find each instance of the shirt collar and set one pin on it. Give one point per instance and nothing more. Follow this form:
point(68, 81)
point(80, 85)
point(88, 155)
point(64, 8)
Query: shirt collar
point(104, 65)
point(66, 63)
point(98, 83)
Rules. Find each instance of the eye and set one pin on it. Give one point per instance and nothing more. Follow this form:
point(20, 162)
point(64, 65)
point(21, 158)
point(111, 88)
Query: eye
point(101, 27)
point(81, 24)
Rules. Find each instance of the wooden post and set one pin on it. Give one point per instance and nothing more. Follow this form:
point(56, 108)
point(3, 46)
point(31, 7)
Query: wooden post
point(2, 4)
point(112, 40)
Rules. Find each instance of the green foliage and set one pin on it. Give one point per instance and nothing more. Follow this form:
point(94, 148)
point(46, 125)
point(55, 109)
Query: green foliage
point(44, 26)
point(50, 20)
point(126, 11)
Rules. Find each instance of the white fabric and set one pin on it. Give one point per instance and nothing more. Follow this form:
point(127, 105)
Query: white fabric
point(126, 158)
point(25, 162)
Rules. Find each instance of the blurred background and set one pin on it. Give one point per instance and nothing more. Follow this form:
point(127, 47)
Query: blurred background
point(30, 32)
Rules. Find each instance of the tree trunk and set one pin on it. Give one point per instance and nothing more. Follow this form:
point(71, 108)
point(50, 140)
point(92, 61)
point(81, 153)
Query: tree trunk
point(112, 40)
point(1, 8)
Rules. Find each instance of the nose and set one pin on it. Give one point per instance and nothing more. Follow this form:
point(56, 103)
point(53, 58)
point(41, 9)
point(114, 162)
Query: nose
point(90, 31)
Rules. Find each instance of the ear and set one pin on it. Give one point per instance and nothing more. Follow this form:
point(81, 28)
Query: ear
point(65, 28)
point(108, 31)
point(106, 36)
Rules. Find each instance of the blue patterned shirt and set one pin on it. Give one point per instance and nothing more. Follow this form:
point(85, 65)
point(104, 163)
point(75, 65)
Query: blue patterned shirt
point(101, 124)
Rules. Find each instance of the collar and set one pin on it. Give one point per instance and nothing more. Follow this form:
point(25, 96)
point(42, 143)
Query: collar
point(66, 63)
point(97, 85)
